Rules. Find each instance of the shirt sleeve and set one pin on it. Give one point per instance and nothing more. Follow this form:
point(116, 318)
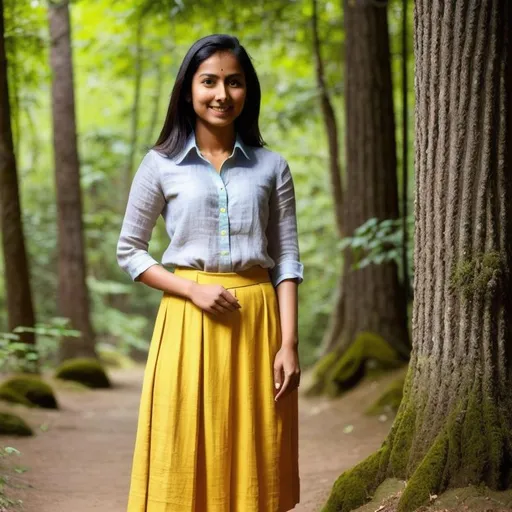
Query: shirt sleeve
point(283, 246)
point(145, 203)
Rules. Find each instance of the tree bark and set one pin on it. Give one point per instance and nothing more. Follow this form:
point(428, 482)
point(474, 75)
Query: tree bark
point(454, 426)
point(73, 299)
point(370, 299)
point(20, 308)
point(331, 126)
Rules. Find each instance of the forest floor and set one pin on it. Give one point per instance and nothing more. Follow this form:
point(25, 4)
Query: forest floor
point(80, 458)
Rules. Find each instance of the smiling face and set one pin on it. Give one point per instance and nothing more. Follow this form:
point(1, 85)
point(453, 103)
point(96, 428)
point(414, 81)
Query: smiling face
point(218, 90)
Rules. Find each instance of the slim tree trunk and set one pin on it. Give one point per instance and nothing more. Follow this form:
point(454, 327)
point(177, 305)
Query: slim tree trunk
point(454, 426)
point(20, 309)
point(371, 299)
point(73, 300)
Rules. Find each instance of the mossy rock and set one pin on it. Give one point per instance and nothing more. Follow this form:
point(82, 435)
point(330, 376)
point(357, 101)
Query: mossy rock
point(390, 400)
point(115, 359)
point(369, 354)
point(86, 371)
point(8, 395)
point(12, 425)
point(31, 389)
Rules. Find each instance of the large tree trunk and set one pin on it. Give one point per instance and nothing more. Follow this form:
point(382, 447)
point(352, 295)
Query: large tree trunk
point(454, 426)
point(20, 309)
point(371, 299)
point(73, 298)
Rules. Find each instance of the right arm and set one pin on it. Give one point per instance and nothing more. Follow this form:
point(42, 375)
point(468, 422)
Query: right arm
point(145, 204)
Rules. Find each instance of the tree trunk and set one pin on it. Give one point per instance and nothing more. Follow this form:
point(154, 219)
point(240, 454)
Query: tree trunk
point(20, 309)
point(73, 300)
point(454, 426)
point(371, 299)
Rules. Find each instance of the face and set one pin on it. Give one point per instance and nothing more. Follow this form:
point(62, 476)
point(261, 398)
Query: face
point(218, 90)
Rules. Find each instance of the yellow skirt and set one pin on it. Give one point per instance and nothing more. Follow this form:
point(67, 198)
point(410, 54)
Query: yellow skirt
point(210, 436)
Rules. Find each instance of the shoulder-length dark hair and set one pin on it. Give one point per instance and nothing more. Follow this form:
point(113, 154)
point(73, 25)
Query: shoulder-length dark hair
point(180, 118)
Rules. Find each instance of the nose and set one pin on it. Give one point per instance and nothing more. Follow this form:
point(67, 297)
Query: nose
point(221, 93)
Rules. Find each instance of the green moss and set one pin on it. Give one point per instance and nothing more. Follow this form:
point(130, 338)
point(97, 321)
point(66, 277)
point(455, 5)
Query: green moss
point(402, 440)
point(426, 480)
point(12, 425)
point(389, 400)
point(354, 487)
point(86, 371)
point(369, 353)
point(481, 275)
point(32, 389)
point(8, 395)
point(114, 359)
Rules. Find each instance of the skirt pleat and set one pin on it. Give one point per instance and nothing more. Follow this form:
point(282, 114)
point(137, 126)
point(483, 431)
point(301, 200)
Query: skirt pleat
point(210, 436)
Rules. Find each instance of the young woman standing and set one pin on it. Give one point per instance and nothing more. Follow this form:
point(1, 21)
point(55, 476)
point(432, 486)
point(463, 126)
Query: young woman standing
point(218, 420)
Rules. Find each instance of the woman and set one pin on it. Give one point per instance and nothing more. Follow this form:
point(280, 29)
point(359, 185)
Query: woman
point(217, 427)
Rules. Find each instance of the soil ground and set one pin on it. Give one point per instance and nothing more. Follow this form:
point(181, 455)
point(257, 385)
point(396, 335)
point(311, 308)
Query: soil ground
point(80, 458)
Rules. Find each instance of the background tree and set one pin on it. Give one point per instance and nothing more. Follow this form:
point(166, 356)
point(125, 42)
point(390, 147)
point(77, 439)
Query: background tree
point(17, 277)
point(73, 297)
point(454, 426)
point(370, 299)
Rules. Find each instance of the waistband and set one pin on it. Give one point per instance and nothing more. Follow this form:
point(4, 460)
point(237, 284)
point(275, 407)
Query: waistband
point(254, 275)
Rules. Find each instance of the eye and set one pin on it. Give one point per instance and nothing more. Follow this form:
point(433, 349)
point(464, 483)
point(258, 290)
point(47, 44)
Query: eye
point(207, 81)
point(235, 83)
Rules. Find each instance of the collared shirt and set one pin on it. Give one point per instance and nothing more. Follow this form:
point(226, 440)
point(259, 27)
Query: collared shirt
point(224, 221)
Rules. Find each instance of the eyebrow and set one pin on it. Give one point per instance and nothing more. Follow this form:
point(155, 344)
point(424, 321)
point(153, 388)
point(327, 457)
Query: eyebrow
point(212, 75)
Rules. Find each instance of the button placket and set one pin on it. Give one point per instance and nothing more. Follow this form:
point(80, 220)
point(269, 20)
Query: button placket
point(225, 264)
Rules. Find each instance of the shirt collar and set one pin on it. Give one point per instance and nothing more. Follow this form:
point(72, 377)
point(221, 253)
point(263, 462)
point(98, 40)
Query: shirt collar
point(191, 145)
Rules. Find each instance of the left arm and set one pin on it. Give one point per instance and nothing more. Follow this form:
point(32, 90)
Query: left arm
point(286, 363)
point(286, 275)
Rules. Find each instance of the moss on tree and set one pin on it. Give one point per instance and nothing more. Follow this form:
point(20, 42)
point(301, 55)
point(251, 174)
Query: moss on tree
point(86, 371)
point(30, 388)
point(354, 487)
point(368, 354)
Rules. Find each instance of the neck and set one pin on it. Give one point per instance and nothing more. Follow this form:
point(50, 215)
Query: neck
point(215, 140)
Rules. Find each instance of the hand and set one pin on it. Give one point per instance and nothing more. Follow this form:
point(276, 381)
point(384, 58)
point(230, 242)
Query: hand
point(213, 298)
point(286, 371)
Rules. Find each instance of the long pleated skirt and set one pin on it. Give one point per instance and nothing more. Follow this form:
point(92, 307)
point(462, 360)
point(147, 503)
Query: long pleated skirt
point(210, 436)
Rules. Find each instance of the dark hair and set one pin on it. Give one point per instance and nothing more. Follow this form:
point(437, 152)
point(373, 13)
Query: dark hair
point(180, 118)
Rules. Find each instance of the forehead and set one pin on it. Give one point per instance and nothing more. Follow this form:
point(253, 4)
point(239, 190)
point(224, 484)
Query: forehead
point(220, 63)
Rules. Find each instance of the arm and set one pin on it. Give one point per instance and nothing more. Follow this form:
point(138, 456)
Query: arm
point(286, 275)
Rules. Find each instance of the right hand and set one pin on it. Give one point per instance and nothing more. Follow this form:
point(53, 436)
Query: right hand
point(213, 298)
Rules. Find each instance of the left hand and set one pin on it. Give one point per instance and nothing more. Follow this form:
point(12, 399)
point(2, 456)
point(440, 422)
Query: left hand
point(286, 371)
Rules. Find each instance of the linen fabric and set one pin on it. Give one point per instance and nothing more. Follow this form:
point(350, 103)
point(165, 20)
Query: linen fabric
point(211, 437)
point(227, 221)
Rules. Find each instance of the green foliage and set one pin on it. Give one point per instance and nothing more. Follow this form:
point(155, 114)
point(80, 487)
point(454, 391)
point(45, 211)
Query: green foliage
point(378, 242)
point(30, 388)
point(6, 470)
point(86, 371)
point(12, 425)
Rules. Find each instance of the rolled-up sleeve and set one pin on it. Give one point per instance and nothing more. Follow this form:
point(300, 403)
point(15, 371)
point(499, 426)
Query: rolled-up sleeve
point(145, 203)
point(283, 246)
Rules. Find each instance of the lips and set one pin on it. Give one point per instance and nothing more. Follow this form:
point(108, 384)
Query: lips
point(219, 109)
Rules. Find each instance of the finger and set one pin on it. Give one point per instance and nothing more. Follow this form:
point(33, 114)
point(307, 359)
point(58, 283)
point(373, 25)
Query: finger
point(220, 310)
point(284, 387)
point(225, 304)
point(231, 299)
point(278, 378)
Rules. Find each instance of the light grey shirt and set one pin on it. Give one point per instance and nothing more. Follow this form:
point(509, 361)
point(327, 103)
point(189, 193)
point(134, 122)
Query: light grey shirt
point(224, 221)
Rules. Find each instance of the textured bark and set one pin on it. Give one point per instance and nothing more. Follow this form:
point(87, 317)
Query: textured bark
point(331, 126)
point(20, 309)
point(73, 300)
point(370, 299)
point(454, 426)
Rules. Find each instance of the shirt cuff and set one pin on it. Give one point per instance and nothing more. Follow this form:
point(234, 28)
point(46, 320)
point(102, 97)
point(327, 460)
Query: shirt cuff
point(287, 270)
point(139, 265)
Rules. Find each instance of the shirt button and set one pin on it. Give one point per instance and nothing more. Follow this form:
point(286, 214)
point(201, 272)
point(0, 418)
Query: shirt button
point(223, 233)
point(225, 253)
point(223, 210)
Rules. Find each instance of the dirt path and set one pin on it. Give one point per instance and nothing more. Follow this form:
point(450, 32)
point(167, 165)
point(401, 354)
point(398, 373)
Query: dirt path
point(80, 460)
